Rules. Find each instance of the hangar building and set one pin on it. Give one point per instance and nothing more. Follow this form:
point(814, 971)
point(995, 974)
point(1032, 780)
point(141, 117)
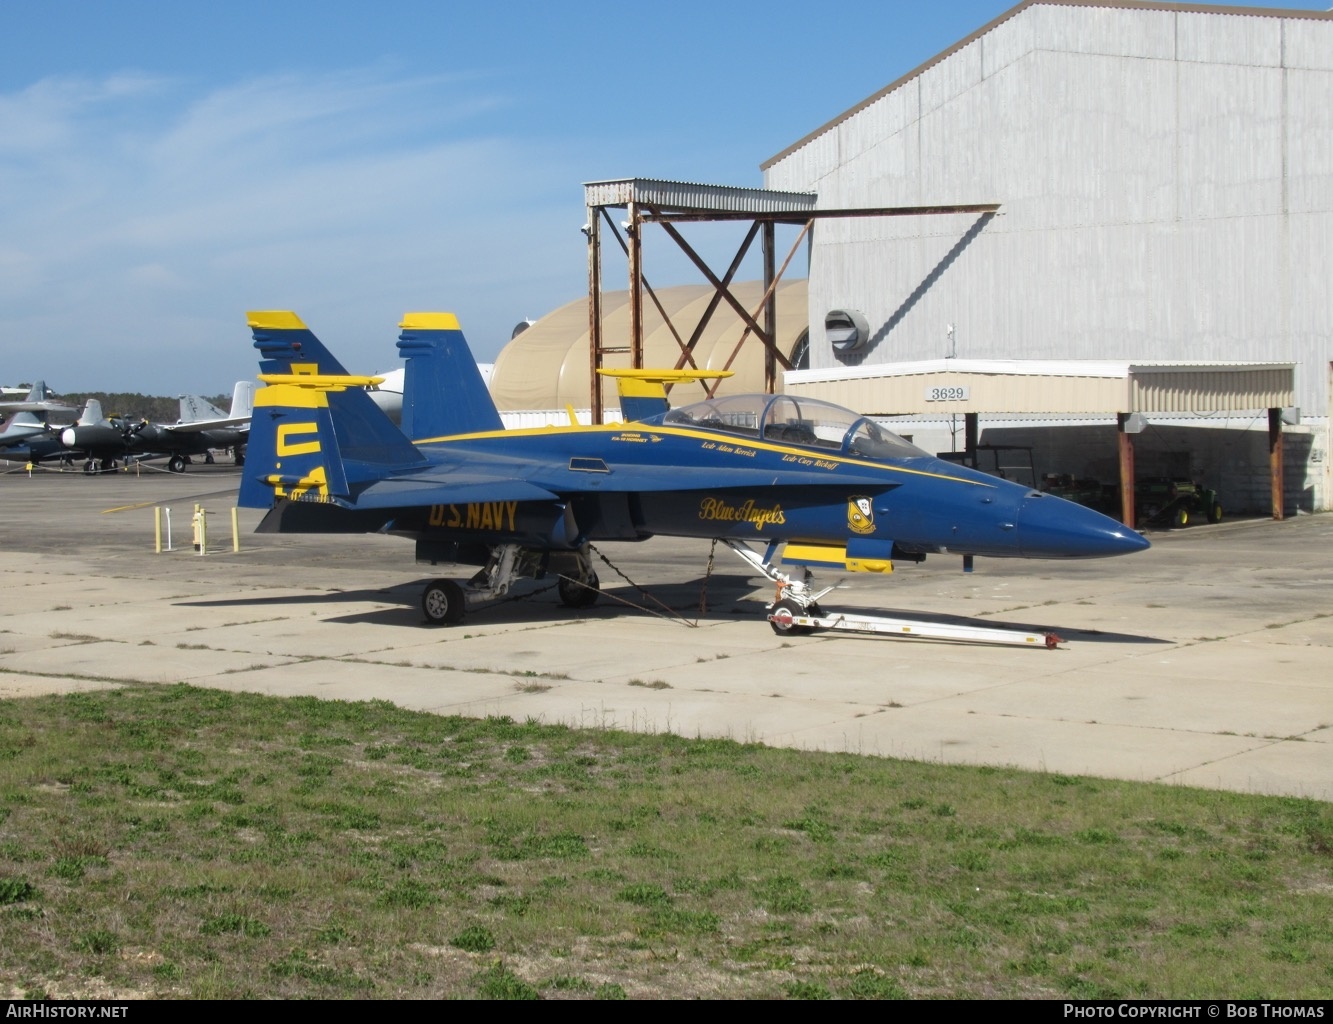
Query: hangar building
point(1165, 179)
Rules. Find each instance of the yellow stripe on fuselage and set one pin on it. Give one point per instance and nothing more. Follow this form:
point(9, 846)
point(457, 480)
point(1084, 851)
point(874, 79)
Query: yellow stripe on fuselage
point(321, 381)
point(704, 435)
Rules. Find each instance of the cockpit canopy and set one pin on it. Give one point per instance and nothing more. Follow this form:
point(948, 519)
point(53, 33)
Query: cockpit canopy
point(785, 419)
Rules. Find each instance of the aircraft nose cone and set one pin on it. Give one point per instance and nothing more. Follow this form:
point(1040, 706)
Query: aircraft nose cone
point(1050, 527)
point(67, 437)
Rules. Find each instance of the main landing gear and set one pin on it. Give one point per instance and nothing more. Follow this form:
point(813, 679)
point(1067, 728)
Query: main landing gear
point(445, 602)
point(796, 612)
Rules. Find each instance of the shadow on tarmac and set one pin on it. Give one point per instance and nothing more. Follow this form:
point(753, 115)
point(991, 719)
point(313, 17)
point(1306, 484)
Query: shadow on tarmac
point(728, 597)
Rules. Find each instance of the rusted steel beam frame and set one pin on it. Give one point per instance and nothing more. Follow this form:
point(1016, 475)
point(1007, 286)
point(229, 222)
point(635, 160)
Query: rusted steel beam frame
point(769, 292)
point(685, 217)
point(770, 310)
point(722, 290)
point(595, 314)
point(1125, 441)
point(1275, 472)
point(657, 303)
point(635, 288)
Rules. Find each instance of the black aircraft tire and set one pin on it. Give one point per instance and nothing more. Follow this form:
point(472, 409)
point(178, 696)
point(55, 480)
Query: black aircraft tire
point(782, 619)
point(177, 464)
point(442, 603)
point(89, 467)
point(579, 595)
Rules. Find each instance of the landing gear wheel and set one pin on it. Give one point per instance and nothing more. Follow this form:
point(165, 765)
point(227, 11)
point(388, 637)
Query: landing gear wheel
point(781, 619)
point(108, 465)
point(177, 464)
point(208, 458)
point(90, 467)
point(581, 593)
point(442, 602)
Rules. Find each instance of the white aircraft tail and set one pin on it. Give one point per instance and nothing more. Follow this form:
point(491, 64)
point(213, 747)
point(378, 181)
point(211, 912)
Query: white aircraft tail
point(92, 414)
point(243, 399)
point(194, 409)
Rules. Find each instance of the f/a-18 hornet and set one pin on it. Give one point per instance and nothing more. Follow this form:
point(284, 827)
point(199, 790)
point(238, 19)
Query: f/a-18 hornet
point(824, 485)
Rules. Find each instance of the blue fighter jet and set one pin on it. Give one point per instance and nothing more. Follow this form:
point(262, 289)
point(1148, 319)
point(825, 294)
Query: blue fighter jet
point(814, 484)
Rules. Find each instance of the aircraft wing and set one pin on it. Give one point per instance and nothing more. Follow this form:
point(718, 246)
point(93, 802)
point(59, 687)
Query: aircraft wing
point(451, 485)
point(199, 426)
point(449, 488)
point(583, 475)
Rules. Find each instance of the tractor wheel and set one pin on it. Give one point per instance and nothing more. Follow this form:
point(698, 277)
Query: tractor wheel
point(780, 618)
point(1215, 512)
point(1181, 517)
point(443, 603)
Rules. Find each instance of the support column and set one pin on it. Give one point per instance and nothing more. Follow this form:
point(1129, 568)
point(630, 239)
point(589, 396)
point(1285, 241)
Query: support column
point(635, 254)
point(1126, 446)
point(595, 311)
point(970, 423)
point(770, 310)
point(1275, 474)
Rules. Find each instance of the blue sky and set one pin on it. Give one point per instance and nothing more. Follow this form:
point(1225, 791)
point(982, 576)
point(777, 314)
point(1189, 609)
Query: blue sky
point(166, 166)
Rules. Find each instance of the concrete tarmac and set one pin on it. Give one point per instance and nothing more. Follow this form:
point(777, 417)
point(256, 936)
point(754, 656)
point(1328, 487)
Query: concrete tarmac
point(1204, 661)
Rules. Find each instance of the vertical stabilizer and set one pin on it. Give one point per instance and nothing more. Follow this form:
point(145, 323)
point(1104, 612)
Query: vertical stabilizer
point(315, 435)
point(92, 414)
point(41, 393)
point(286, 345)
point(443, 391)
point(194, 410)
point(243, 399)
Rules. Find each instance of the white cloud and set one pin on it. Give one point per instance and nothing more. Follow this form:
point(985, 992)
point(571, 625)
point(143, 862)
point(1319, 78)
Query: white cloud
point(136, 212)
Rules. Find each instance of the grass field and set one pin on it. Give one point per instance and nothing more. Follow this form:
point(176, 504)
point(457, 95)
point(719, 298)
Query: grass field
point(179, 842)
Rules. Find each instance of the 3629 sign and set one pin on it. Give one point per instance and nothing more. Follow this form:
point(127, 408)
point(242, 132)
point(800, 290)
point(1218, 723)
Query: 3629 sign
point(958, 393)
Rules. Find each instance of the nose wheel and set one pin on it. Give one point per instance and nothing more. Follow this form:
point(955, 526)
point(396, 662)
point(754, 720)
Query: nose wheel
point(579, 591)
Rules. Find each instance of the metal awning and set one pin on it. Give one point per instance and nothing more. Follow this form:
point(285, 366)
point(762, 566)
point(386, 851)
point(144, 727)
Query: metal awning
point(1042, 387)
point(1125, 390)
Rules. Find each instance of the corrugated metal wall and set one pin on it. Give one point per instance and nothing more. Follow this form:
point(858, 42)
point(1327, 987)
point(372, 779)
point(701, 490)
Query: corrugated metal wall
point(1166, 181)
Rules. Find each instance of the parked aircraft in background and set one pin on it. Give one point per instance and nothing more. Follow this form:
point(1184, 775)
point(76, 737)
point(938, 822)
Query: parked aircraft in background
point(28, 435)
point(201, 429)
point(835, 488)
point(40, 399)
point(388, 393)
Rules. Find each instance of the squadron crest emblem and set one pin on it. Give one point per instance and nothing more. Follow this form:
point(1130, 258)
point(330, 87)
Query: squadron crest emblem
point(860, 517)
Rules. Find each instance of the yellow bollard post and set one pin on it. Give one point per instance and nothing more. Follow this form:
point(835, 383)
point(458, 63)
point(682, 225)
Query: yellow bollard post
point(157, 529)
point(235, 532)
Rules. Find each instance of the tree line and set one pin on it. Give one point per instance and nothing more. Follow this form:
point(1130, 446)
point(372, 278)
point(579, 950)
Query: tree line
point(133, 406)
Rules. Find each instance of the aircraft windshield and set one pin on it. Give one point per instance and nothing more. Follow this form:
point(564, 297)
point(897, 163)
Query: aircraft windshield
point(789, 420)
